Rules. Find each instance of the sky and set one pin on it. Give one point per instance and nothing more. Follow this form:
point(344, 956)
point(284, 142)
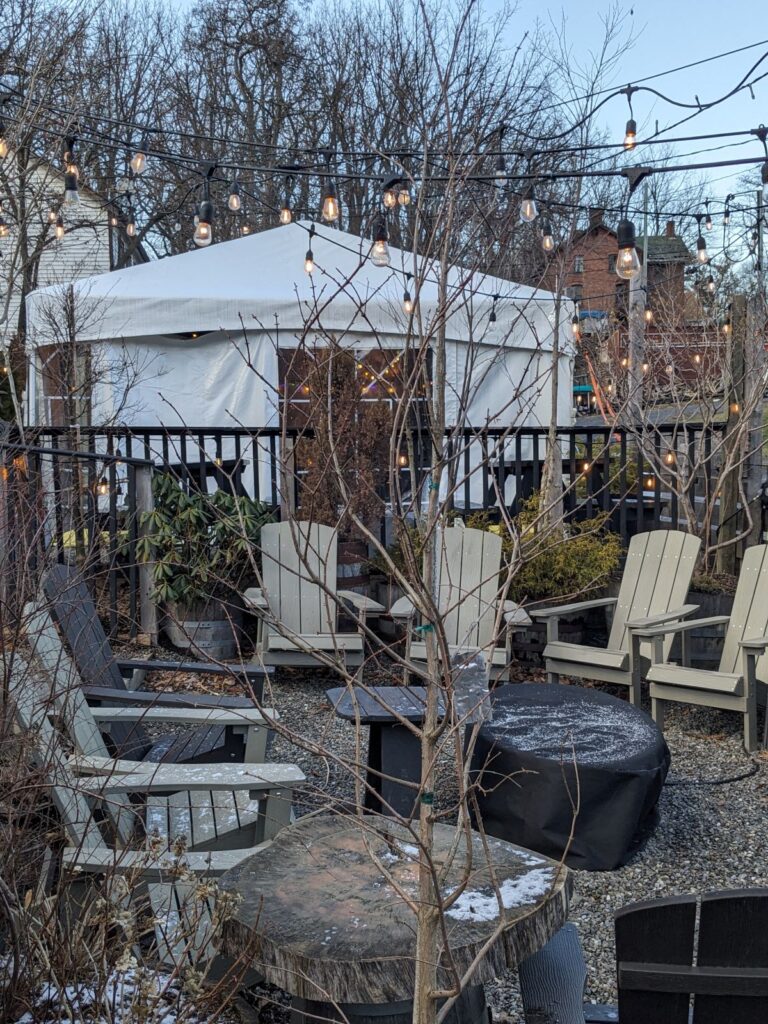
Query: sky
point(667, 34)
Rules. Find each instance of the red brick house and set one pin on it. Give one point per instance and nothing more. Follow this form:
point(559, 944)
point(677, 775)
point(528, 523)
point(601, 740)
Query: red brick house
point(679, 349)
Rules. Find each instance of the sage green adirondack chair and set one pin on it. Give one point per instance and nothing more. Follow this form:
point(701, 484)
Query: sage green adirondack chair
point(655, 583)
point(468, 600)
point(126, 838)
point(298, 615)
point(743, 662)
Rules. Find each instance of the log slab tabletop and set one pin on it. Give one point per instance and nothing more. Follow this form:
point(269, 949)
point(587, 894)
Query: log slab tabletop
point(329, 924)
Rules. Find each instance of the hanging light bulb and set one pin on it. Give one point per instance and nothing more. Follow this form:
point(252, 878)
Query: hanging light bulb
point(710, 284)
point(648, 316)
point(627, 260)
point(102, 487)
point(4, 229)
point(234, 202)
point(501, 167)
point(71, 193)
point(380, 248)
point(59, 227)
point(309, 259)
point(3, 141)
point(113, 221)
point(203, 235)
point(547, 238)
point(139, 158)
point(630, 134)
point(576, 326)
point(389, 198)
point(245, 228)
point(708, 220)
point(286, 213)
point(52, 215)
point(130, 224)
point(408, 303)
point(330, 202)
point(492, 314)
point(528, 208)
point(701, 250)
point(404, 196)
point(726, 216)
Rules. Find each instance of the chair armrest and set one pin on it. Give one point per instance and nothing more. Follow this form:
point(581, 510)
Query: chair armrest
point(658, 620)
point(112, 697)
point(256, 600)
point(571, 609)
point(679, 627)
point(361, 603)
point(187, 716)
point(756, 644)
point(201, 667)
point(133, 776)
point(515, 615)
point(402, 609)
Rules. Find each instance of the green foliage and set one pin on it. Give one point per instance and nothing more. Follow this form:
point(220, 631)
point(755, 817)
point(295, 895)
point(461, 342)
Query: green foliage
point(563, 563)
point(200, 545)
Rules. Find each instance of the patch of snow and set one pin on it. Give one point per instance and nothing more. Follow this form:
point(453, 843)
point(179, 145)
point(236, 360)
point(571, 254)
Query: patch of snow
point(483, 905)
point(598, 733)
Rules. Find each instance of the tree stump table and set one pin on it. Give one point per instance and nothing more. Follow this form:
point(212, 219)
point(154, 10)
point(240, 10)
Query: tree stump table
point(322, 919)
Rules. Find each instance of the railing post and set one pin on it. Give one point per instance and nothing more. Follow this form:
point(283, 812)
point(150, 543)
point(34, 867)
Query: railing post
point(145, 504)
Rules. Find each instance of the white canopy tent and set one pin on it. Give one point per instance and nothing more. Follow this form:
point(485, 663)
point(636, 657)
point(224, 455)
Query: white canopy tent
point(198, 334)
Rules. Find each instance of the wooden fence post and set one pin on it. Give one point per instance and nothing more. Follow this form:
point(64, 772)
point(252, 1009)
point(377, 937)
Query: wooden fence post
point(147, 606)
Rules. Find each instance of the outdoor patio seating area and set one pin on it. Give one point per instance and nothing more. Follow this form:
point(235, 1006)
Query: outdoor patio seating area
point(383, 512)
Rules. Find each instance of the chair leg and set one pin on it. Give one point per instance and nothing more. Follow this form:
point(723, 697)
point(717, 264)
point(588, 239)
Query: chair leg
point(658, 708)
point(553, 677)
point(635, 687)
point(750, 727)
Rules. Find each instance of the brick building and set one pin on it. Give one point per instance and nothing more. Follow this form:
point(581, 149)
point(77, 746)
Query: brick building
point(680, 351)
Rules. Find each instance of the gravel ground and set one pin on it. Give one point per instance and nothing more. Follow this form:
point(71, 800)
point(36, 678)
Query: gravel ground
point(709, 836)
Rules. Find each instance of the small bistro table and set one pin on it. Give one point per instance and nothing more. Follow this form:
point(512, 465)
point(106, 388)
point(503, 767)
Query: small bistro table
point(326, 924)
point(392, 747)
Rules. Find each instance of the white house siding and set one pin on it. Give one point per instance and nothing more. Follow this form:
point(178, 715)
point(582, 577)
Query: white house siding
point(83, 251)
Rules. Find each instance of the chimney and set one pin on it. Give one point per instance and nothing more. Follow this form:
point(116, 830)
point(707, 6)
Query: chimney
point(670, 229)
point(595, 217)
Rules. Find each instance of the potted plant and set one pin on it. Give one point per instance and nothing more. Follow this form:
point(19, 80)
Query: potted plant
point(200, 546)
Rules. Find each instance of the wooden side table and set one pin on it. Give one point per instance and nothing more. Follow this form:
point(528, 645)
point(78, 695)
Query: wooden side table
point(392, 747)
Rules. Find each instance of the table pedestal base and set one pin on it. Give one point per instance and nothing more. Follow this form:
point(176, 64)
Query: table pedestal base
point(469, 1008)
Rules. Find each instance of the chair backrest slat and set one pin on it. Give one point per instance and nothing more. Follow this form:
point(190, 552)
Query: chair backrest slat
point(74, 610)
point(729, 938)
point(657, 577)
point(293, 554)
point(469, 585)
point(29, 689)
point(749, 615)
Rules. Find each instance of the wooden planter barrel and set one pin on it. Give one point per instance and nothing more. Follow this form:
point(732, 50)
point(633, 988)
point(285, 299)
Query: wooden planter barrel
point(209, 629)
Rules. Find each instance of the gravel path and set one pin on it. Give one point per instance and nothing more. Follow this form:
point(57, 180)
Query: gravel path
point(709, 837)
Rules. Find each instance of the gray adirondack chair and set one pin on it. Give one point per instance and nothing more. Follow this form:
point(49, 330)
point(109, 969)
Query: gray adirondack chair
point(656, 579)
point(203, 818)
point(468, 600)
point(743, 662)
point(298, 615)
point(82, 784)
point(104, 677)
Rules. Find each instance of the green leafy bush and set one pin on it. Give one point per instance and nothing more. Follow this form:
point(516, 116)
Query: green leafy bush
point(200, 545)
point(562, 564)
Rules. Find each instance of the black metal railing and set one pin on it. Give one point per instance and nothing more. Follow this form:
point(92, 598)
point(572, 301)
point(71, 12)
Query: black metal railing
point(636, 484)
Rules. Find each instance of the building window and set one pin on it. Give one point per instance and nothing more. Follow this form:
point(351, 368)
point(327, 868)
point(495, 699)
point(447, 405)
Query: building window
point(612, 263)
point(578, 264)
point(575, 292)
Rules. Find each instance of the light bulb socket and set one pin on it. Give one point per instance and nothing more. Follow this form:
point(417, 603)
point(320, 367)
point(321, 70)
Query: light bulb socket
point(701, 250)
point(625, 235)
point(205, 212)
point(70, 182)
